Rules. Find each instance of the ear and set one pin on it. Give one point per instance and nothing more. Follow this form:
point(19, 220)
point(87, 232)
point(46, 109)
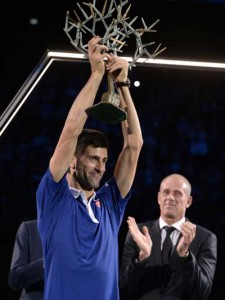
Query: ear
point(189, 201)
point(73, 163)
point(159, 198)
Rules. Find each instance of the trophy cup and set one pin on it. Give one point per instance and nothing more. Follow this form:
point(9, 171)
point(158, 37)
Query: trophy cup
point(117, 30)
point(108, 109)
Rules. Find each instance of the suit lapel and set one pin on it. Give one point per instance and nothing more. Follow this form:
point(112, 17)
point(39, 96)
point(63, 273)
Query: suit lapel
point(155, 234)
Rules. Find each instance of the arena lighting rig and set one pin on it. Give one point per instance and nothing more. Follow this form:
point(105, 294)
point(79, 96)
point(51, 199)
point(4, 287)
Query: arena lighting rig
point(51, 56)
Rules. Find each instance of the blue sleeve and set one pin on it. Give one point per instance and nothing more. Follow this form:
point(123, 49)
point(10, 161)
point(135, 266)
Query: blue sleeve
point(112, 198)
point(49, 193)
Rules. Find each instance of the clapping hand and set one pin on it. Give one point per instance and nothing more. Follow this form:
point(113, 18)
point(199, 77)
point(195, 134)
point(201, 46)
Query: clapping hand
point(143, 240)
point(188, 231)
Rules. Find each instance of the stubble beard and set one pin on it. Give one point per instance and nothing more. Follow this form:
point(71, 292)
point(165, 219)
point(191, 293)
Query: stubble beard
point(86, 182)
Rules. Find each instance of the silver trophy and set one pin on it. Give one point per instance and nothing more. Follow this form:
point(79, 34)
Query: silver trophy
point(113, 24)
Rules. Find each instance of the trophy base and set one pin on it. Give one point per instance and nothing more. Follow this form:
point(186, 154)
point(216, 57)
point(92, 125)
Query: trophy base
point(107, 112)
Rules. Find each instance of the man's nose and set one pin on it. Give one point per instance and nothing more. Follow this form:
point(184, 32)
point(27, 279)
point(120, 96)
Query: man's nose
point(100, 166)
point(171, 196)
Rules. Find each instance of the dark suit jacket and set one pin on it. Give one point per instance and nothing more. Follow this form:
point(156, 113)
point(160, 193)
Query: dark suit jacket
point(189, 278)
point(26, 271)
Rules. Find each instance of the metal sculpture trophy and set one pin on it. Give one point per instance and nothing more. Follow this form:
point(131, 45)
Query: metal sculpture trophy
point(117, 30)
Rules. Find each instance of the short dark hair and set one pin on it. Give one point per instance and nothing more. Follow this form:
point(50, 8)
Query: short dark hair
point(91, 137)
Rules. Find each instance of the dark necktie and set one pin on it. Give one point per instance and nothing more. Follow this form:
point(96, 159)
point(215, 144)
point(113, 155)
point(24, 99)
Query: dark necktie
point(167, 245)
point(166, 252)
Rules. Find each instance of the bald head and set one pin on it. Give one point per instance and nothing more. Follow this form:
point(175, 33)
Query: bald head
point(174, 197)
point(183, 182)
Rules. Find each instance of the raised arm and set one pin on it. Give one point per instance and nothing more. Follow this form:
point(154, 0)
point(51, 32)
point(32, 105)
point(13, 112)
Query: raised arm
point(127, 161)
point(77, 116)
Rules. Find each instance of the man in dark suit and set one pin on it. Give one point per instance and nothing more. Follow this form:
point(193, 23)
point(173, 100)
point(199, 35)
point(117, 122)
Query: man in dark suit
point(188, 271)
point(26, 271)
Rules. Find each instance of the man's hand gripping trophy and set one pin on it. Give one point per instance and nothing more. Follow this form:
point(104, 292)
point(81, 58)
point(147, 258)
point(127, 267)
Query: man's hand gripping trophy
point(114, 20)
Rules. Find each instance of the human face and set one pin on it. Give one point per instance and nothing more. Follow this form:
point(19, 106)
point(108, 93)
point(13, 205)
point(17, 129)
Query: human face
point(90, 167)
point(173, 199)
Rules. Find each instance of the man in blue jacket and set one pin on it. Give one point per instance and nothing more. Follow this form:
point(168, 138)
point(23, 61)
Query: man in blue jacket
point(78, 225)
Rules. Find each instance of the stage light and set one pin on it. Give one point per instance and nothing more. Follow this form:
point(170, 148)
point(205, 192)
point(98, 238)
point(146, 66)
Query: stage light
point(51, 56)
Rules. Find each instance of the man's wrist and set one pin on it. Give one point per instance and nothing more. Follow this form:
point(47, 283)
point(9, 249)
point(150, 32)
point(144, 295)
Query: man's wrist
point(140, 261)
point(119, 84)
point(184, 254)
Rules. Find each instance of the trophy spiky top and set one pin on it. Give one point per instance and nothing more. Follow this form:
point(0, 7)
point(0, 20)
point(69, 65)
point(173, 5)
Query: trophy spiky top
point(116, 25)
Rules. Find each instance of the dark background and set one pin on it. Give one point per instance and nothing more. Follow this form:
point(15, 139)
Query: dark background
point(181, 113)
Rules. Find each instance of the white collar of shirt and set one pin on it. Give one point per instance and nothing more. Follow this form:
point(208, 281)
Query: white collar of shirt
point(175, 234)
point(162, 223)
point(76, 193)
